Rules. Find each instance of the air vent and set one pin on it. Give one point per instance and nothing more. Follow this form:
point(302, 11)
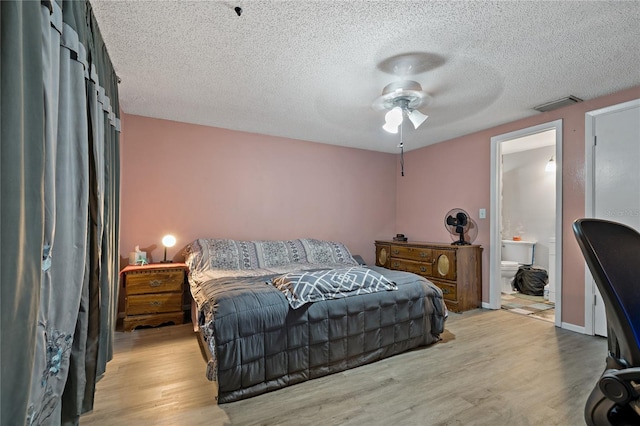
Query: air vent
point(550, 106)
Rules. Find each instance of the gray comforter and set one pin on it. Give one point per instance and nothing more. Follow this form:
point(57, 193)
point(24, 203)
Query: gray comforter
point(258, 343)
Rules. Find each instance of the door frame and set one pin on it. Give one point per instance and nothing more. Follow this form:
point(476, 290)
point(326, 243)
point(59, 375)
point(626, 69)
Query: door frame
point(589, 199)
point(495, 250)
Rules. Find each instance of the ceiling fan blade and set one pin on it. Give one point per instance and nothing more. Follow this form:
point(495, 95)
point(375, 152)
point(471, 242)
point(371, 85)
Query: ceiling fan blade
point(417, 118)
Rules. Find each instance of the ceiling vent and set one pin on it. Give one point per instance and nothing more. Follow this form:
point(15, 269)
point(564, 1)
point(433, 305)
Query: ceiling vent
point(550, 106)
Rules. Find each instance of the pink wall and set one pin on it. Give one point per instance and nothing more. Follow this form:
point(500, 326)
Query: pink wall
point(197, 181)
point(456, 173)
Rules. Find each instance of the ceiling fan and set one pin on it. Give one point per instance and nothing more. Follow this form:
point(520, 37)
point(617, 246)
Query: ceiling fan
point(402, 98)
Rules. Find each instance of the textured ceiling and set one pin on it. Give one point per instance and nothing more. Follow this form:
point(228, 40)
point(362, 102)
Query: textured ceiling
point(310, 70)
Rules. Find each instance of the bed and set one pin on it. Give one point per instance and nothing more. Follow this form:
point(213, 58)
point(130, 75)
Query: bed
point(275, 313)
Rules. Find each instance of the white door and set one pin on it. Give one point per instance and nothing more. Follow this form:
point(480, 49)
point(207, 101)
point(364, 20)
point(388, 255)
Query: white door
point(616, 162)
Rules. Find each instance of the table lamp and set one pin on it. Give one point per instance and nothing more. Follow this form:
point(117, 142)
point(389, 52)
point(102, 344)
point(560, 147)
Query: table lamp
point(168, 241)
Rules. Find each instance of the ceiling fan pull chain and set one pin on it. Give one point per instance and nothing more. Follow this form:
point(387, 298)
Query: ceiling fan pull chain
point(401, 153)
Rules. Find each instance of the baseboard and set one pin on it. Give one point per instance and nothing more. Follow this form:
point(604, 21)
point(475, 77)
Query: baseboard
point(486, 305)
point(574, 328)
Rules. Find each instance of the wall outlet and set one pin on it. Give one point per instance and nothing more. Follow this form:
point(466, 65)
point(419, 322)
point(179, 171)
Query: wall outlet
point(483, 213)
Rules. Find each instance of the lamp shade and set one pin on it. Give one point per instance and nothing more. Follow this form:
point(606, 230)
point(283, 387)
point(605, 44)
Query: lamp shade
point(168, 241)
point(392, 120)
point(390, 128)
point(394, 116)
point(417, 118)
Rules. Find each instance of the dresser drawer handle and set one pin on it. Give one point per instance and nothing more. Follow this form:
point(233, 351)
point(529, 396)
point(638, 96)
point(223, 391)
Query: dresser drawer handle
point(155, 283)
point(396, 264)
point(396, 251)
point(423, 269)
point(423, 254)
point(154, 303)
point(445, 290)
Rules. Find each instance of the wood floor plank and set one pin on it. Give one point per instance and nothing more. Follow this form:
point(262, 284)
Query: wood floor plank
point(491, 368)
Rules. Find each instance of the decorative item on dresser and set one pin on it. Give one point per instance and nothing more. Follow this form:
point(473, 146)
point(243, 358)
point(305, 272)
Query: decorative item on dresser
point(153, 294)
point(456, 269)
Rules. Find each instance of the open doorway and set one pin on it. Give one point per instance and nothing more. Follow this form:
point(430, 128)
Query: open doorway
point(515, 160)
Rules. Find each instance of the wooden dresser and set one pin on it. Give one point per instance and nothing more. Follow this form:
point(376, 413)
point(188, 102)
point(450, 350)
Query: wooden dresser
point(153, 294)
point(457, 270)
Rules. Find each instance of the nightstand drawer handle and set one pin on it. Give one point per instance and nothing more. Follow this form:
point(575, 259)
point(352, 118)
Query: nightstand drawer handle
point(154, 303)
point(155, 283)
point(445, 291)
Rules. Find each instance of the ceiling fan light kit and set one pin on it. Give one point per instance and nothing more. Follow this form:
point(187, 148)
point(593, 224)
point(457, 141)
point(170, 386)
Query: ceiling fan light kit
point(402, 98)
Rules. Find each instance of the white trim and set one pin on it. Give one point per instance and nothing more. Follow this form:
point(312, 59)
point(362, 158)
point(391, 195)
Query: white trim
point(589, 188)
point(486, 305)
point(494, 223)
point(573, 327)
point(496, 188)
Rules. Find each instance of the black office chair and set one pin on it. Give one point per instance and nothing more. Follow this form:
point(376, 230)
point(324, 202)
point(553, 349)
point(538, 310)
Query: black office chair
point(612, 253)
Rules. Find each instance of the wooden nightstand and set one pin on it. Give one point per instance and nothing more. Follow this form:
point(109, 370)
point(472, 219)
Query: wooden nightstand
point(153, 294)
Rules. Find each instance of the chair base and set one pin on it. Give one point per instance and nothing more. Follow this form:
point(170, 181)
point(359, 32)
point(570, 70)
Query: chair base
point(601, 411)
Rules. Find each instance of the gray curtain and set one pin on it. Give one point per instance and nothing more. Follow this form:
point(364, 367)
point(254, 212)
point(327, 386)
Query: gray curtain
point(60, 186)
point(21, 201)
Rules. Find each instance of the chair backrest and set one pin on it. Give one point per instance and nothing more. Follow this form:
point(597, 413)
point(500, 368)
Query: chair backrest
point(612, 253)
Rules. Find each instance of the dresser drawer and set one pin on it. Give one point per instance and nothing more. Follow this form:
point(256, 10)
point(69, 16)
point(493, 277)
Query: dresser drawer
point(449, 291)
point(453, 306)
point(412, 253)
point(153, 303)
point(411, 266)
point(154, 281)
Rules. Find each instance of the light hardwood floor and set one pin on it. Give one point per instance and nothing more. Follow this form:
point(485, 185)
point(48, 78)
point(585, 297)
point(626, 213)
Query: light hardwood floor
point(491, 368)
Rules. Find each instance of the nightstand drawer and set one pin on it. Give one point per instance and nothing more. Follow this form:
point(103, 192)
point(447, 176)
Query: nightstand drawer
point(412, 253)
point(154, 281)
point(153, 303)
point(411, 266)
